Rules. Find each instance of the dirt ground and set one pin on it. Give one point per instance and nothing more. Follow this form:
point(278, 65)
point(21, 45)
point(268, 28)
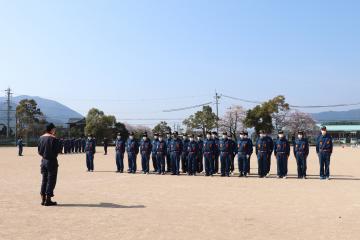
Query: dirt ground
point(108, 205)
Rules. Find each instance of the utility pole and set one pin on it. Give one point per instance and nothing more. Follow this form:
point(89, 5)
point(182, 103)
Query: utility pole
point(217, 97)
point(8, 102)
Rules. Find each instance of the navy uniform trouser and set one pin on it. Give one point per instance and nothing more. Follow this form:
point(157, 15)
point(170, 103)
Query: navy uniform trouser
point(243, 163)
point(20, 151)
point(282, 164)
point(262, 163)
point(132, 162)
point(225, 160)
point(168, 162)
point(160, 157)
point(200, 165)
point(90, 161)
point(154, 161)
point(49, 176)
point(232, 162)
point(216, 163)
point(145, 159)
point(119, 161)
point(184, 162)
point(209, 163)
point(301, 164)
point(268, 163)
point(175, 162)
point(324, 159)
point(192, 163)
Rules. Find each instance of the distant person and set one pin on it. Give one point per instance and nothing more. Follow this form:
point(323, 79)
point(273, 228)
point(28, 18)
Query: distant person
point(193, 153)
point(48, 149)
point(185, 153)
point(324, 148)
point(161, 152)
point(120, 150)
point(282, 153)
point(270, 142)
point(106, 144)
point(145, 151)
point(199, 158)
point(176, 148)
point(168, 153)
point(226, 149)
point(301, 152)
point(90, 149)
point(244, 150)
point(153, 152)
point(262, 151)
point(209, 154)
point(20, 145)
point(132, 149)
point(217, 151)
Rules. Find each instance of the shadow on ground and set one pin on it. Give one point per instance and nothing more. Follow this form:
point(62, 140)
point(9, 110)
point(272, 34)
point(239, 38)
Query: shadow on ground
point(100, 205)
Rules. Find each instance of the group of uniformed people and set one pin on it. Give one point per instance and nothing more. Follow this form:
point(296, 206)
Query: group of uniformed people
point(195, 155)
point(72, 145)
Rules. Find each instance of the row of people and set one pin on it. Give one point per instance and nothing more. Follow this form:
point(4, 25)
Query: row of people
point(194, 156)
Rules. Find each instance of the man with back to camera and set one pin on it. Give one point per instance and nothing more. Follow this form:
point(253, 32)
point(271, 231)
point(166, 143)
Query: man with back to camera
point(48, 149)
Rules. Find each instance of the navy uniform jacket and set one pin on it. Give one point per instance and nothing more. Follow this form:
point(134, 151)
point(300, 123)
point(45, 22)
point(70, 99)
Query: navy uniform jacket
point(324, 144)
point(90, 146)
point(132, 146)
point(176, 145)
point(282, 145)
point(209, 146)
point(161, 148)
point(217, 146)
point(48, 149)
point(263, 145)
point(193, 147)
point(146, 146)
point(20, 143)
point(226, 146)
point(270, 142)
point(185, 146)
point(301, 146)
point(244, 146)
point(200, 146)
point(168, 144)
point(120, 145)
point(154, 145)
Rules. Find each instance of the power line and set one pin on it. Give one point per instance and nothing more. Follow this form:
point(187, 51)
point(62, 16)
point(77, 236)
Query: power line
point(296, 106)
point(187, 108)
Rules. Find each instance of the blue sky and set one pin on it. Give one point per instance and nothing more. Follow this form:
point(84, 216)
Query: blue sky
point(134, 59)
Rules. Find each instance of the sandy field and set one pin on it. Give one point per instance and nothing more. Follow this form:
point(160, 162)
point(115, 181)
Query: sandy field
point(108, 205)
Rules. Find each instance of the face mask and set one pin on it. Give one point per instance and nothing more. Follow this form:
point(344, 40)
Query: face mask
point(160, 139)
point(198, 139)
point(118, 137)
point(131, 137)
point(144, 138)
point(323, 133)
point(262, 135)
point(281, 135)
point(208, 136)
point(225, 137)
point(242, 136)
point(300, 136)
point(89, 138)
point(156, 137)
point(191, 139)
point(168, 136)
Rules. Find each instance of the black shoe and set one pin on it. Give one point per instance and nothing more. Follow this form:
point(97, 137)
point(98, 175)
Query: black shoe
point(49, 203)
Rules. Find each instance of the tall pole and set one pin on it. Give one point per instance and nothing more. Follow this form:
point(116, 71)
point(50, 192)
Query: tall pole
point(217, 97)
point(8, 102)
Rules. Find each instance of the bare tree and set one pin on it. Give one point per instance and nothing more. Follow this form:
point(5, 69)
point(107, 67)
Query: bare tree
point(232, 121)
point(301, 121)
